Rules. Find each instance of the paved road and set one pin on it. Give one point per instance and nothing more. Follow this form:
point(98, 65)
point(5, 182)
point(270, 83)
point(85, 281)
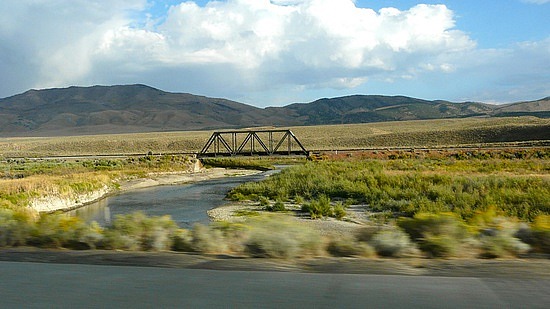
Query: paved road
point(39, 285)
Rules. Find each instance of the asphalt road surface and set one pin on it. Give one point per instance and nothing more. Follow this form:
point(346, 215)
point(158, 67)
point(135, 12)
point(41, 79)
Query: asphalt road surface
point(44, 285)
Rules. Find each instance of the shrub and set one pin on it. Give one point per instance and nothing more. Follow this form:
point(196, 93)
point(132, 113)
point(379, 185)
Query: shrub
point(207, 240)
point(234, 235)
point(438, 235)
point(299, 200)
point(502, 245)
point(538, 235)
point(339, 211)
point(136, 231)
point(15, 227)
point(424, 224)
point(319, 208)
point(264, 201)
point(278, 206)
point(60, 230)
point(322, 207)
point(392, 243)
point(182, 240)
point(278, 236)
point(497, 238)
point(365, 234)
point(439, 245)
point(345, 247)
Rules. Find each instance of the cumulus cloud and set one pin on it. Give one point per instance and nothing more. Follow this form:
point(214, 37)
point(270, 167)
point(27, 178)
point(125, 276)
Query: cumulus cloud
point(226, 48)
point(324, 39)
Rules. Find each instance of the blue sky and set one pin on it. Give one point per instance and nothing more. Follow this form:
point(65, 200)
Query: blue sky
point(272, 53)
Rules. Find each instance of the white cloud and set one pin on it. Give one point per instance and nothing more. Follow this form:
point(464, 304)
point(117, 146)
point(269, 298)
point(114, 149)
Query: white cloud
point(231, 48)
point(314, 35)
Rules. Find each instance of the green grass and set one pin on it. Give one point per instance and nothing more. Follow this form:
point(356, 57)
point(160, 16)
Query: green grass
point(517, 188)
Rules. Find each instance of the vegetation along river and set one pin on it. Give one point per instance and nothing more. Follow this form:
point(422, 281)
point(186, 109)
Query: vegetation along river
point(187, 204)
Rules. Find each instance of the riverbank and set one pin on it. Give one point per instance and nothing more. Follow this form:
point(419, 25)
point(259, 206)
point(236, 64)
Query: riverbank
point(50, 204)
point(357, 216)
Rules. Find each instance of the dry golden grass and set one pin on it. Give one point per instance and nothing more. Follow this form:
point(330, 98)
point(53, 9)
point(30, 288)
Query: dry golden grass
point(423, 133)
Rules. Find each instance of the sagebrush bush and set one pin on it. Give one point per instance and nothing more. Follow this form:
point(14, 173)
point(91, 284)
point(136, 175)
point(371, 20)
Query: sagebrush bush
point(61, 230)
point(277, 206)
point(346, 247)
point(322, 207)
point(207, 239)
point(392, 243)
point(538, 235)
point(436, 246)
point(497, 236)
point(136, 231)
point(438, 235)
point(502, 245)
point(278, 236)
point(182, 240)
point(365, 234)
point(15, 227)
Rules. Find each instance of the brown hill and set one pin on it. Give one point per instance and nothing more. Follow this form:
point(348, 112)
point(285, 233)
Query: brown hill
point(140, 108)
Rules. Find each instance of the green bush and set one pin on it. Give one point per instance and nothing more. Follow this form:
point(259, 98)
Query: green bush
point(365, 234)
point(319, 208)
point(182, 240)
point(207, 239)
point(278, 236)
point(264, 201)
point(438, 235)
point(136, 231)
point(437, 246)
point(497, 236)
point(392, 243)
point(15, 227)
point(61, 230)
point(345, 247)
point(538, 235)
point(278, 206)
point(502, 245)
point(339, 211)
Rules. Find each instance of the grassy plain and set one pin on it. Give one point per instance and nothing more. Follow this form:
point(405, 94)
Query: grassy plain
point(417, 134)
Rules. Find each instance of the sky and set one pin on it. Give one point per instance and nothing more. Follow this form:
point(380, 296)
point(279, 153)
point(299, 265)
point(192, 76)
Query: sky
point(278, 52)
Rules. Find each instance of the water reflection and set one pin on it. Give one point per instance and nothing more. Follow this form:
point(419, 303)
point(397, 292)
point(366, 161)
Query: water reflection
point(186, 204)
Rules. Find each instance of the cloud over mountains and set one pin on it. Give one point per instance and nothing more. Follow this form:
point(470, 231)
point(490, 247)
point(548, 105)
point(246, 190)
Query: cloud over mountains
point(230, 48)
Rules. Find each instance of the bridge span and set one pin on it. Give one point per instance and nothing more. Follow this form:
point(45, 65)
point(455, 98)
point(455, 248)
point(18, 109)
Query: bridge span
point(253, 143)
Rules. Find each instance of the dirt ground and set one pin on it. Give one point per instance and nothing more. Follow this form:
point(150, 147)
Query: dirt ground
point(501, 268)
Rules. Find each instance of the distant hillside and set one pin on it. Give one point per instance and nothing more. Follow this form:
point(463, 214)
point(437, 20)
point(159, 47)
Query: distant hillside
point(120, 109)
point(539, 108)
point(140, 108)
point(374, 108)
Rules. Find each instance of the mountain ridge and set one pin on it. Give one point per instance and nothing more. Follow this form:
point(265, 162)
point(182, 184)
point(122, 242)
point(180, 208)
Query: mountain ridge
point(141, 108)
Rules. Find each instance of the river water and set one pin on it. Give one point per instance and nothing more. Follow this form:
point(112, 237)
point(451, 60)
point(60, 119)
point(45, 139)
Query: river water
point(186, 203)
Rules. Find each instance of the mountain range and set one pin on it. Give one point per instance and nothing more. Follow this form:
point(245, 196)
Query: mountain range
point(140, 108)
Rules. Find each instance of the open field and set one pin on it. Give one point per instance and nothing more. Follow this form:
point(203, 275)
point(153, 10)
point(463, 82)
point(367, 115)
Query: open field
point(418, 134)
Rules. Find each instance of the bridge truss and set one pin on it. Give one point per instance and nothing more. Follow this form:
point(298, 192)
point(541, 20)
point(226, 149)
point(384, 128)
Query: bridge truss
point(250, 143)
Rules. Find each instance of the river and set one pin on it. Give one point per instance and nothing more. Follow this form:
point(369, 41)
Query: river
point(187, 204)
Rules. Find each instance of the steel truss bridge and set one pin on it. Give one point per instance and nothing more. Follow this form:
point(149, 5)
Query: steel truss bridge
point(253, 143)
